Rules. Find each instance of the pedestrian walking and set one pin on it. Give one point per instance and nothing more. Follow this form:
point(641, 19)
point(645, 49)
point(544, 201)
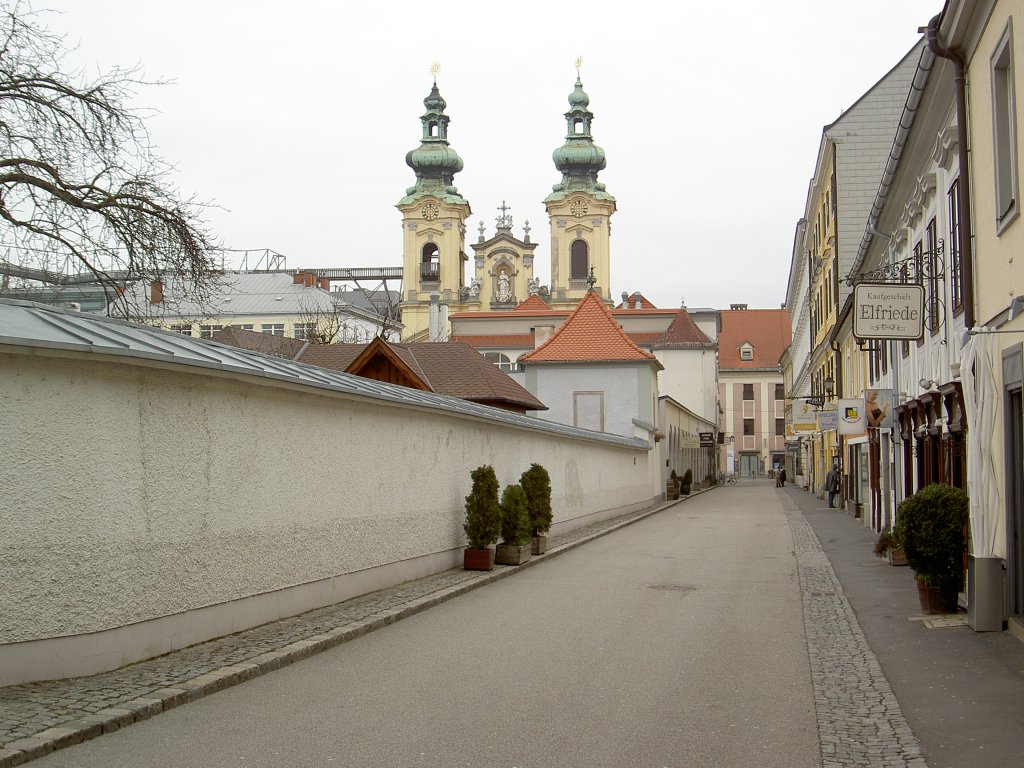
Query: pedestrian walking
point(782, 477)
point(832, 484)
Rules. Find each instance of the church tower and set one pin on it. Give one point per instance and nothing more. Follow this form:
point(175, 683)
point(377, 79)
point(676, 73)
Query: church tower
point(579, 210)
point(434, 230)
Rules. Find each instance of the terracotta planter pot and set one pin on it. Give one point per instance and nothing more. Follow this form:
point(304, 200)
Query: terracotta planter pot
point(539, 545)
point(512, 554)
point(478, 559)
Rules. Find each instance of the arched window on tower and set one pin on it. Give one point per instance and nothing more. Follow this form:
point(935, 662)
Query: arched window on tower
point(432, 129)
point(430, 263)
point(579, 261)
point(578, 126)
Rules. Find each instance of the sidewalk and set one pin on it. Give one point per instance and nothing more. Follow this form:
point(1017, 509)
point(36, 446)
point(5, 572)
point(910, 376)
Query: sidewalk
point(961, 692)
point(38, 718)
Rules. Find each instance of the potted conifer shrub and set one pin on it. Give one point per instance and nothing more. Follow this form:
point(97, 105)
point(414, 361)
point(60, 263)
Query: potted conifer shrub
point(686, 483)
point(483, 520)
point(536, 484)
point(930, 531)
point(515, 528)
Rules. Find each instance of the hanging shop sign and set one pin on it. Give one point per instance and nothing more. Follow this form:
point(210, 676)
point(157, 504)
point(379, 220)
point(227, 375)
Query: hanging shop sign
point(889, 311)
point(803, 418)
point(707, 439)
point(827, 421)
point(851, 417)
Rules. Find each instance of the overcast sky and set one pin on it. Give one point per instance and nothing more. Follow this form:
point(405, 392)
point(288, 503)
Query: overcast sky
point(295, 118)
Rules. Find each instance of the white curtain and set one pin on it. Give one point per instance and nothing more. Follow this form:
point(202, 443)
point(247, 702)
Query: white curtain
point(981, 401)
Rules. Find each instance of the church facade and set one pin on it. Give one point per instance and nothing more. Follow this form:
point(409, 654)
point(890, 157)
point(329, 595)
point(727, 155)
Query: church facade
point(441, 278)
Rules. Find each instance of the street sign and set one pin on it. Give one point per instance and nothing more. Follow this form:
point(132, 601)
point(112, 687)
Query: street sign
point(888, 311)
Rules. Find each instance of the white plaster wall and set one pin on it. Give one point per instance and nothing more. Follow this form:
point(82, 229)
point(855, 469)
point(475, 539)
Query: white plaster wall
point(133, 494)
point(623, 389)
point(689, 378)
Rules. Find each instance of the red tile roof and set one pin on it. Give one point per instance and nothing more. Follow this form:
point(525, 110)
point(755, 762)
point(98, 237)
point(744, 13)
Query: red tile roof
point(632, 299)
point(533, 304)
point(497, 340)
point(768, 331)
point(589, 334)
point(683, 333)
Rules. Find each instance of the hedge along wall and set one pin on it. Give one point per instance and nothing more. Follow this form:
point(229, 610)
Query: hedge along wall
point(147, 507)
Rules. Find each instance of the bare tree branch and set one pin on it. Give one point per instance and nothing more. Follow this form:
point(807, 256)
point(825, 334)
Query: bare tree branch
point(80, 184)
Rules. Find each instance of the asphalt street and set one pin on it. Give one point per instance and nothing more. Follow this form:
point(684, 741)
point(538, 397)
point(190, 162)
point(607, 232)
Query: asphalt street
point(677, 641)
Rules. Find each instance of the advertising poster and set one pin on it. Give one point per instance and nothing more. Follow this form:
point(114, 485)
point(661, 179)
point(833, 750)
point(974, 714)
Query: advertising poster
point(878, 408)
point(851, 417)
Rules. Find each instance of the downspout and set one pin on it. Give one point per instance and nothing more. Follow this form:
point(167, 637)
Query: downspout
point(966, 251)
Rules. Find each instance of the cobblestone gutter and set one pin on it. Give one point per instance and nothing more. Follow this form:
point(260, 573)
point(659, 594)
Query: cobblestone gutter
point(859, 720)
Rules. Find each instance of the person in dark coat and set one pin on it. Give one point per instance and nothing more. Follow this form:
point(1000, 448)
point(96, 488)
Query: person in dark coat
point(832, 485)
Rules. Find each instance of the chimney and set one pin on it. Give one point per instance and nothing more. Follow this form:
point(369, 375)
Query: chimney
point(737, 306)
point(306, 279)
point(156, 292)
point(637, 303)
point(435, 316)
point(325, 283)
point(625, 300)
point(541, 334)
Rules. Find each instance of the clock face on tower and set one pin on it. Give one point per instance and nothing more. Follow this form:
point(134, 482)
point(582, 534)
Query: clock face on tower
point(578, 208)
point(429, 211)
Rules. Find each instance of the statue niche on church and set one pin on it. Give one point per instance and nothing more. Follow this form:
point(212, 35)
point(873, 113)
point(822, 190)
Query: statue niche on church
point(504, 292)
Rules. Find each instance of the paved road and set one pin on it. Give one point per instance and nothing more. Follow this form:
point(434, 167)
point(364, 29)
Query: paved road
point(678, 641)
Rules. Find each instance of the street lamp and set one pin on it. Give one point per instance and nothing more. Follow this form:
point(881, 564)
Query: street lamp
point(818, 398)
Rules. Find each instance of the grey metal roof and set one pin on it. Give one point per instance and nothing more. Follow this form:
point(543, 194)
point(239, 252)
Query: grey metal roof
point(234, 293)
point(29, 325)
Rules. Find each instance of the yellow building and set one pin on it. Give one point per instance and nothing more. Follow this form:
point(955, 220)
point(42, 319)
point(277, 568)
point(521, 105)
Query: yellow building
point(438, 278)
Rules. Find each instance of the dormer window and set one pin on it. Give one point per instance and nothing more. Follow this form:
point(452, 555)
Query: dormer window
point(747, 353)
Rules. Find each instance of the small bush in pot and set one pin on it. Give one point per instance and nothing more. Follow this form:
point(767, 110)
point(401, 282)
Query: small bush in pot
point(483, 519)
point(515, 528)
point(686, 482)
point(536, 484)
point(930, 531)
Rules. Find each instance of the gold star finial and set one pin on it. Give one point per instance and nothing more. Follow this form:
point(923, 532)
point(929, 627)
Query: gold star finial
point(435, 67)
point(579, 64)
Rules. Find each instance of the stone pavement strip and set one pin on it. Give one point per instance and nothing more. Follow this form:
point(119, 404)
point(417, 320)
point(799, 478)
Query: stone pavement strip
point(38, 718)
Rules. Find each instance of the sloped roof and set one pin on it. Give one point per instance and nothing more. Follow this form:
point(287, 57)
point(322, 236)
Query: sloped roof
point(683, 333)
point(278, 346)
point(533, 304)
point(31, 326)
point(448, 367)
point(590, 334)
point(768, 331)
point(233, 293)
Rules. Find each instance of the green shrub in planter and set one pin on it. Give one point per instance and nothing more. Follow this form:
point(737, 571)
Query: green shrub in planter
point(483, 513)
point(930, 531)
point(515, 519)
point(536, 484)
point(688, 477)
